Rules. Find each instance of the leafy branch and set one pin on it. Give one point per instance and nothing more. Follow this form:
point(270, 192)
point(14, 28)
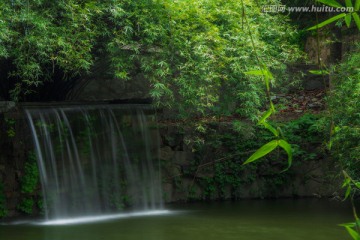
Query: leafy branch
point(350, 184)
point(267, 77)
point(346, 16)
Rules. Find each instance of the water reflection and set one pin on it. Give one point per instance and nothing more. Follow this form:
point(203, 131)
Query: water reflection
point(245, 220)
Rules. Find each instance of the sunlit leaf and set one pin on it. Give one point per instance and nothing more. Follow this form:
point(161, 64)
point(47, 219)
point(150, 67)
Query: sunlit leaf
point(356, 19)
point(357, 5)
point(265, 116)
point(346, 182)
point(272, 106)
point(329, 145)
point(256, 72)
point(347, 193)
point(264, 150)
point(348, 3)
point(268, 74)
point(355, 235)
point(262, 72)
point(332, 3)
point(268, 78)
point(348, 20)
point(271, 129)
point(328, 21)
point(352, 224)
point(287, 147)
point(319, 72)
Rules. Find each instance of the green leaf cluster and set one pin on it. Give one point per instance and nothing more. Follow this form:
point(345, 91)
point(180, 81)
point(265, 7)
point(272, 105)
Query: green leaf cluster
point(345, 106)
point(220, 152)
point(30, 180)
point(355, 4)
point(193, 53)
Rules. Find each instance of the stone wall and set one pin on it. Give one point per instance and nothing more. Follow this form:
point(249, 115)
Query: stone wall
point(188, 173)
point(16, 146)
point(186, 178)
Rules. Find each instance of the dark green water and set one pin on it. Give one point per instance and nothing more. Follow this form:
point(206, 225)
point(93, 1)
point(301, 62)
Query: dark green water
point(244, 220)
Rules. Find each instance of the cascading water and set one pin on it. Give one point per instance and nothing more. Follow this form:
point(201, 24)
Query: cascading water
point(95, 160)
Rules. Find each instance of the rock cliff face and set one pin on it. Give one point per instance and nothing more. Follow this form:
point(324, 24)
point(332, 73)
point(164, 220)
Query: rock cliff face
point(189, 173)
point(16, 148)
point(217, 175)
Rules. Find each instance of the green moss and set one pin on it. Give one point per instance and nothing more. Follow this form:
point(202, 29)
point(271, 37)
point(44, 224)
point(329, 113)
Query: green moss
point(29, 184)
point(26, 205)
point(30, 180)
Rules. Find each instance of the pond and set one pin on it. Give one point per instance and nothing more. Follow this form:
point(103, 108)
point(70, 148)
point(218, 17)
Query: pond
point(310, 219)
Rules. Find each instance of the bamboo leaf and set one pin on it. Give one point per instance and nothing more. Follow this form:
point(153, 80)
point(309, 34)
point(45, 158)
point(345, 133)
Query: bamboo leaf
point(332, 3)
point(268, 77)
point(348, 3)
point(326, 22)
point(256, 72)
point(268, 74)
point(264, 150)
point(319, 72)
point(271, 129)
point(355, 235)
point(356, 19)
point(267, 83)
point(329, 145)
point(348, 20)
point(265, 116)
point(346, 182)
point(357, 5)
point(262, 72)
point(352, 224)
point(287, 147)
point(272, 106)
point(348, 191)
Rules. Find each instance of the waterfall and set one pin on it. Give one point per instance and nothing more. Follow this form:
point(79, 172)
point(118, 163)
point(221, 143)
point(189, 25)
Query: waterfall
point(95, 160)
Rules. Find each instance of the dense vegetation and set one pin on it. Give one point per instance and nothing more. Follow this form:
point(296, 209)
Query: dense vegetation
point(194, 53)
point(201, 58)
point(345, 107)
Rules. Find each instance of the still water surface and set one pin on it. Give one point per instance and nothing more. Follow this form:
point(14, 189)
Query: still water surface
point(244, 220)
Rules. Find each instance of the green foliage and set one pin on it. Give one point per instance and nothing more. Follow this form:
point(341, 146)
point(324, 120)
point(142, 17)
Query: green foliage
point(26, 205)
point(271, 146)
point(345, 107)
point(194, 53)
point(264, 150)
point(267, 76)
point(344, 115)
point(218, 167)
point(347, 17)
point(10, 124)
point(30, 179)
point(351, 186)
point(29, 184)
